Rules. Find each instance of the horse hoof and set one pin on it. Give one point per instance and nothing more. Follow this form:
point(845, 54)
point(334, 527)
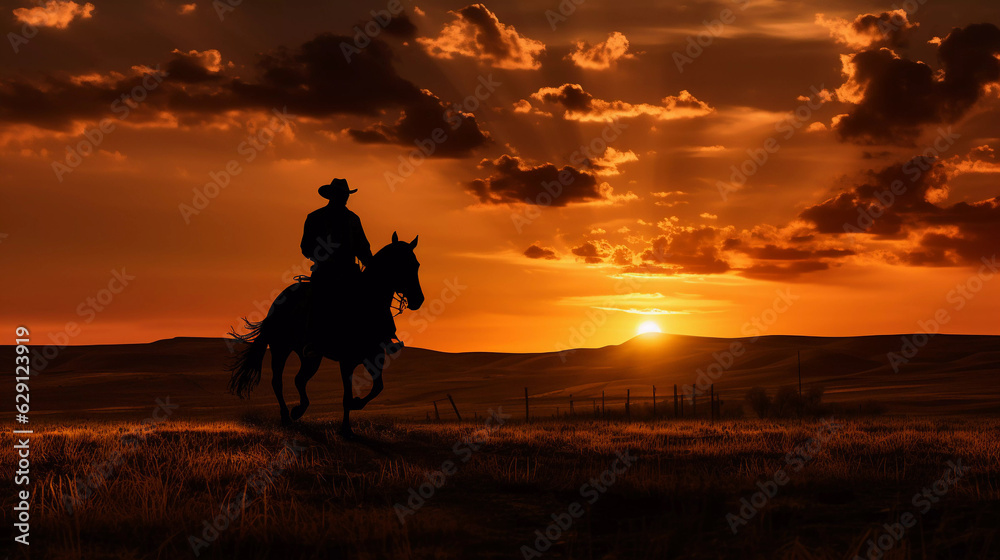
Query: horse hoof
point(346, 432)
point(298, 411)
point(286, 421)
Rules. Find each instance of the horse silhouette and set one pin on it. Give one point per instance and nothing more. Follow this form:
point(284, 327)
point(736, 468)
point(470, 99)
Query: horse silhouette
point(391, 271)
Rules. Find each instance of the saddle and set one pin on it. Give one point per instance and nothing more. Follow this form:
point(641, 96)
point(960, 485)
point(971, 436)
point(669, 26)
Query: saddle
point(341, 318)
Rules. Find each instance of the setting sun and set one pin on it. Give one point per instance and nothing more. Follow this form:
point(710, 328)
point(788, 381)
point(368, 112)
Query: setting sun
point(648, 327)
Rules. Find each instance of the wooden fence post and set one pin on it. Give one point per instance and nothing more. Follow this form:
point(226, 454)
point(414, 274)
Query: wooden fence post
point(571, 405)
point(682, 407)
point(437, 415)
point(455, 408)
point(675, 400)
point(595, 407)
point(628, 411)
point(712, 402)
point(798, 359)
point(694, 402)
point(654, 401)
point(604, 407)
point(527, 413)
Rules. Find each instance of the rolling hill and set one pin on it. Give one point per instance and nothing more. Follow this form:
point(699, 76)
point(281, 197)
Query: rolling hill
point(951, 374)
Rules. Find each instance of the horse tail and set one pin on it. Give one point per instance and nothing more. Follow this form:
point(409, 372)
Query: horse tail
point(249, 360)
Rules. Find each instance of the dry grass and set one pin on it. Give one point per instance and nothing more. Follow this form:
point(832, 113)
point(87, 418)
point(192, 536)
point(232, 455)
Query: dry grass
point(335, 499)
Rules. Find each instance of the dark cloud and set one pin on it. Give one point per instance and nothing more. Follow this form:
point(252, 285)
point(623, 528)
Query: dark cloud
point(879, 205)
point(401, 26)
point(977, 236)
point(512, 180)
point(536, 251)
point(785, 271)
point(688, 250)
point(886, 29)
point(590, 253)
point(891, 29)
point(195, 67)
point(315, 80)
point(899, 96)
point(582, 106)
point(907, 201)
point(771, 252)
point(570, 96)
point(430, 126)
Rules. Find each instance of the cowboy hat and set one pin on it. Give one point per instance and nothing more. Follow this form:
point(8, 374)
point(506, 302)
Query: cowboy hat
point(336, 186)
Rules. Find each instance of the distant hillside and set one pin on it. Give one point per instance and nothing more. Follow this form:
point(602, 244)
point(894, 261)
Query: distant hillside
point(952, 374)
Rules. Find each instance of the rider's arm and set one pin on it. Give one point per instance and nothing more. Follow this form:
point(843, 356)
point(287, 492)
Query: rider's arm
point(309, 239)
point(362, 249)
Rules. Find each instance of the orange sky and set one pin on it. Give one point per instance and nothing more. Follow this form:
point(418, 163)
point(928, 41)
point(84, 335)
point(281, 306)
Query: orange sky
point(619, 101)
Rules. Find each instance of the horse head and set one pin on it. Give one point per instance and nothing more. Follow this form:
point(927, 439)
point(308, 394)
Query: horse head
point(397, 267)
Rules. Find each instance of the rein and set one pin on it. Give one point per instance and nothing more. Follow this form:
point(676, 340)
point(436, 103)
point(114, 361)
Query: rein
point(398, 303)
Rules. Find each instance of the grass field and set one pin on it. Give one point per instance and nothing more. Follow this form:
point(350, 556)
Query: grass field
point(151, 491)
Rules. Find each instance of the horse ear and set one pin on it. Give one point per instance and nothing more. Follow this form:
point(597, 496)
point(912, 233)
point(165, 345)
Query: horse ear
point(413, 244)
point(395, 237)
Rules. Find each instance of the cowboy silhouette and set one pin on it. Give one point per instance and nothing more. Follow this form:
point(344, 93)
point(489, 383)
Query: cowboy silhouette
point(333, 238)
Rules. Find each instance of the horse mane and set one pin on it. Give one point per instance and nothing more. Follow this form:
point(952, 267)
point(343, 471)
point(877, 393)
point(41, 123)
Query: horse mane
point(386, 253)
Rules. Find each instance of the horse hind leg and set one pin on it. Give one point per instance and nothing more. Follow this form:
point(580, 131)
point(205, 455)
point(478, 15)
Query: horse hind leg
point(278, 359)
point(308, 369)
point(350, 401)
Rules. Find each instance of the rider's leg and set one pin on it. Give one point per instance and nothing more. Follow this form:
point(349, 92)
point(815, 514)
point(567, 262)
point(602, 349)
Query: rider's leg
point(317, 313)
point(392, 343)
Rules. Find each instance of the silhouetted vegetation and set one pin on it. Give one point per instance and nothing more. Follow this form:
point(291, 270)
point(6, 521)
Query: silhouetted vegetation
point(787, 403)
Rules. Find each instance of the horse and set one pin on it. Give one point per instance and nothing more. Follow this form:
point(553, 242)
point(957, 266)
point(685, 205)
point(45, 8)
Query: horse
point(392, 270)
